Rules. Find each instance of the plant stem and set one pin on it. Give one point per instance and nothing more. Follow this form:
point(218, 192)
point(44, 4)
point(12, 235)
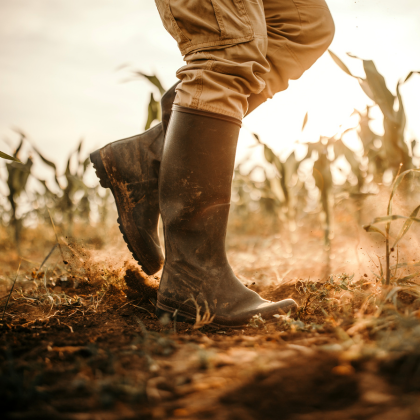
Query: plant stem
point(388, 274)
point(388, 227)
point(11, 291)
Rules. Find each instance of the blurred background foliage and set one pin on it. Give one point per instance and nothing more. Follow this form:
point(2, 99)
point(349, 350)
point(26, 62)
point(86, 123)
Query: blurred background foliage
point(308, 181)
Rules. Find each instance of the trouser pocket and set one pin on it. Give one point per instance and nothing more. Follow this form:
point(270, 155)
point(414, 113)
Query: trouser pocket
point(205, 24)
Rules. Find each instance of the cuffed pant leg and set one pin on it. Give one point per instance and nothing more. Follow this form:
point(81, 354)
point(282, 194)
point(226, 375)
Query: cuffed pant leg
point(281, 40)
point(221, 80)
point(299, 32)
point(219, 75)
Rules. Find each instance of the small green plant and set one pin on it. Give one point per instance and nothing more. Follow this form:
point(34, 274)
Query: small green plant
point(387, 220)
point(8, 157)
point(257, 322)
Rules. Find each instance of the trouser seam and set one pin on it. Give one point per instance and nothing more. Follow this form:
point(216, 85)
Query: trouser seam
point(200, 84)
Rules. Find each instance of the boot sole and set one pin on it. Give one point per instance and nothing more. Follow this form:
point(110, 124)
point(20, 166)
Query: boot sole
point(183, 316)
point(105, 182)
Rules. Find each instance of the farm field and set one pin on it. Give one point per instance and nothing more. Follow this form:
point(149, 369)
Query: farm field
point(335, 228)
point(80, 340)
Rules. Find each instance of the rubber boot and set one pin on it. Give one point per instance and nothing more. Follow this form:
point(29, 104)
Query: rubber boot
point(194, 195)
point(130, 168)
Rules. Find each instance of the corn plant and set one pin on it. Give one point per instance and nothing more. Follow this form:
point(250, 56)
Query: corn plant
point(286, 193)
point(17, 178)
point(387, 220)
point(283, 198)
point(394, 149)
point(286, 196)
point(70, 198)
point(68, 203)
point(8, 157)
point(154, 112)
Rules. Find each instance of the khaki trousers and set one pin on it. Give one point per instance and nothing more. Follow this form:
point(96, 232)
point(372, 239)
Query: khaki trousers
point(239, 53)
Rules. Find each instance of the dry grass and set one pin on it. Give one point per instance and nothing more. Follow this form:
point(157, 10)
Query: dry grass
point(92, 320)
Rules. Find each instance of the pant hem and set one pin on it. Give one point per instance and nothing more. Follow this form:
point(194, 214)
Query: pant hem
point(210, 114)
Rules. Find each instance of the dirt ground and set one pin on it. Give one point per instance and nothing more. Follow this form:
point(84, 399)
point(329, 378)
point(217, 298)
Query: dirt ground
point(79, 340)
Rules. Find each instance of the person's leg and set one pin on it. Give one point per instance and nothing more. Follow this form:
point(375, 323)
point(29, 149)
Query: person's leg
point(194, 195)
point(299, 32)
point(198, 161)
point(130, 169)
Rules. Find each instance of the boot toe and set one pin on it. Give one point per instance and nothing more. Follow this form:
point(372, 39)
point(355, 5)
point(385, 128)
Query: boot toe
point(266, 309)
point(284, 307)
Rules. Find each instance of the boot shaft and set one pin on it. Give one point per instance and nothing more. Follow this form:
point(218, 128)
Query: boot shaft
point(195, 184)
point(194, 195)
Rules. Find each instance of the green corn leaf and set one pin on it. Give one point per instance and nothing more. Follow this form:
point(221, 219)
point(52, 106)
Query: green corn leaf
point(391, 218)
point(322, 173)
point(68, 173)
point(354, 56)
point(21, 133)
point(341, 149)
point(283, 182)
point(406, 278)
point(340, 64)
point(8, 157)
point(45, 160)
point(269, 154)
point(395, 185)
point(373, 229)
point(400, 115)
point(406, 226)
point(79, 149)
point(272, 158)
point(154, 80)
point(366, 88)
point(275, 187)
point(410, 74)
point(153, 112)
point(407, 264)
point(20, 145)
point(257, 137)
point(382, 96)
point(305, 120)
point(382, 270)
point(290, 167)
point(279, 166)
point(86, 164)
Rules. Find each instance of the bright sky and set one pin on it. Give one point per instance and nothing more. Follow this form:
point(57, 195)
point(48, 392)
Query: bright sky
point(58, 61)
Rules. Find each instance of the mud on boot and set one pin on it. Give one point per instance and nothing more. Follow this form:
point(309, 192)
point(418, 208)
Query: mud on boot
point(130, 168)
point(194, 195)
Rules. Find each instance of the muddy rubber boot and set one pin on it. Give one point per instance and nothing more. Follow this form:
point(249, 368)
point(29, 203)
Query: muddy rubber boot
point(194, 194)
point(130, 168)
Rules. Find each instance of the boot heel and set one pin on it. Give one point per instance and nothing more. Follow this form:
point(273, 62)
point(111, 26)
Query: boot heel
point(100, 170)
point(160, 313)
